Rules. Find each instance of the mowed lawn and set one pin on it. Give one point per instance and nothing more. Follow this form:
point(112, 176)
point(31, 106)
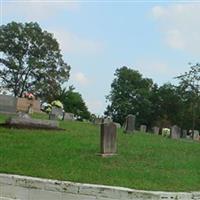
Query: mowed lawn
point(144, 161)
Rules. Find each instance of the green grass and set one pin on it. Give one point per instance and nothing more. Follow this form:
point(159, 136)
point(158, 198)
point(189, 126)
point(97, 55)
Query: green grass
point(144, 161)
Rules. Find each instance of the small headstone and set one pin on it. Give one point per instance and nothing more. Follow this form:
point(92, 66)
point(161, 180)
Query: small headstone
point(130, 124)
point(58, 112)
point(143, 128)
point(166, 132)
point(52, 116)
point(108, 139)
point(68, 116)
point(196, 135)
point(184, 133)
point(175, 132)
point(156, 130)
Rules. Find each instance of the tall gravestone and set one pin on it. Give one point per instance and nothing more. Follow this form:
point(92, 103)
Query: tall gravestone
point(175, 132)
point(143, 128)
point(8, 104)
point(196, 135)
point(130, 124)
point(156, 130)
point(108, 139)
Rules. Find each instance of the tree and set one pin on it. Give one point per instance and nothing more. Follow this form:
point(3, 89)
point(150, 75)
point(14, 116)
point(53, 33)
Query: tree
point(189, 86)
point(31, 60)
point(130, 94)
point(74, 103)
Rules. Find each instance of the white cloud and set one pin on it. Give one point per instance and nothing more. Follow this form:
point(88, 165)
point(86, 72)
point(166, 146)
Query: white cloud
point(35, 10)
point(180, 26)
point(80, 78)
point(72, 43)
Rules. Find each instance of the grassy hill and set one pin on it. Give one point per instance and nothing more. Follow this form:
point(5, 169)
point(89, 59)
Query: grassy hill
point(144, 161)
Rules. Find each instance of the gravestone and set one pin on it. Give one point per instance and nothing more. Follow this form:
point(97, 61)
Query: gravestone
point(166, 132)
point(184, 133)
point(175, 132)
point(107, 120)
point(156, 130)
point(56, 113)
point(118, 125)
point(130, 124)
point(196, 135)
point(143, 128)
point(8, 104)
point(108, 139)
point(68, 116)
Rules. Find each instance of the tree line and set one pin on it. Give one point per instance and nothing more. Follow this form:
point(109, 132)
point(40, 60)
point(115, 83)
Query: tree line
point(154, 105)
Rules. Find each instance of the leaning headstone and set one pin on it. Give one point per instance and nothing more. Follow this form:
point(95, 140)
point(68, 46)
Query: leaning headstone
point(184, 133)
point(108, 139)
point(156, 130)
point(57, 113)
point(175, 132)
point(196, 135)
point(143, 128)
point(166, 132)
point(130, 124)
point(8, 104)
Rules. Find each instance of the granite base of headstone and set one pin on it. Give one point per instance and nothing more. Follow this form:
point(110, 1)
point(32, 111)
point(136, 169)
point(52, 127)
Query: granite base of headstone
point(196, 135)
point(143, 128)
point(129, 124)
point(108, 142)
point(156, 130)
point(175, 132)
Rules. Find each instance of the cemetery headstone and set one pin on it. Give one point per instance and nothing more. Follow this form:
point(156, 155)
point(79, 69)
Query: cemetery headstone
point(166, 132)
point(175, 132)
point(118, 125)
point(108, 139)
point(8, 104)
point(107, 120)
point(143, 128)
point(68, 116)
point(56, 113)
point(184, 133)
point(156, 130)
point(130, 124)
point(196, 135)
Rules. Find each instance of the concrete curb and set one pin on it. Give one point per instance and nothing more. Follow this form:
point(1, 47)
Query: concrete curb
point(29, 188)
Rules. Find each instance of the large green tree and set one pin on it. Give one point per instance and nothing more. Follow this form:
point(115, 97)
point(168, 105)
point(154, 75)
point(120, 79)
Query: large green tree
point(31, 60)
point(189, 87)
point(130, 94)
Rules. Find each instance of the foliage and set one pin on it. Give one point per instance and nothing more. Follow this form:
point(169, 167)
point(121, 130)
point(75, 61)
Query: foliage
point(31, 60)
point(189, 87)
point(130, 94)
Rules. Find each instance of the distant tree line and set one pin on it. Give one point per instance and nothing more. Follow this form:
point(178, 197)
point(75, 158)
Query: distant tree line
point(163, 106)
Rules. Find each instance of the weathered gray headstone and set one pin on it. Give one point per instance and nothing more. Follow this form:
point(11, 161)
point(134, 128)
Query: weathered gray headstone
point(130, 124)
point(143, 128)
point(184, 133)
point(196, 135)
point(175, 132)
point(8, 104)
point(108, 139)
point(23, 115)
point(118, 125)
point(156, 130)
point(68, 116)
point(56, 112)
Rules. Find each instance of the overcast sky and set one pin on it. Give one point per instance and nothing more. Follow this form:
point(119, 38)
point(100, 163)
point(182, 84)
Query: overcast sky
point(97, 37)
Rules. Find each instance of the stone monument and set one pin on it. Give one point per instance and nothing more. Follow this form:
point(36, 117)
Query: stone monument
point(175, 132)
point(143, 128)
point(130, 124)
point(108, 139)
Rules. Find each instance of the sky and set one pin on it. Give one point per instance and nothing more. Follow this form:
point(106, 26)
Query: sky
point(157, 38)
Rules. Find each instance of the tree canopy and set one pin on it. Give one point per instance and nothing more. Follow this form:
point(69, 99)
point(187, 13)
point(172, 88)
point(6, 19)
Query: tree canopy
point(31, 60)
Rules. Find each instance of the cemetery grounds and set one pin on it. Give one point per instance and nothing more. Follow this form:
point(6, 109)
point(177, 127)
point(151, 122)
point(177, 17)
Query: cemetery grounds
point(143, 161)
